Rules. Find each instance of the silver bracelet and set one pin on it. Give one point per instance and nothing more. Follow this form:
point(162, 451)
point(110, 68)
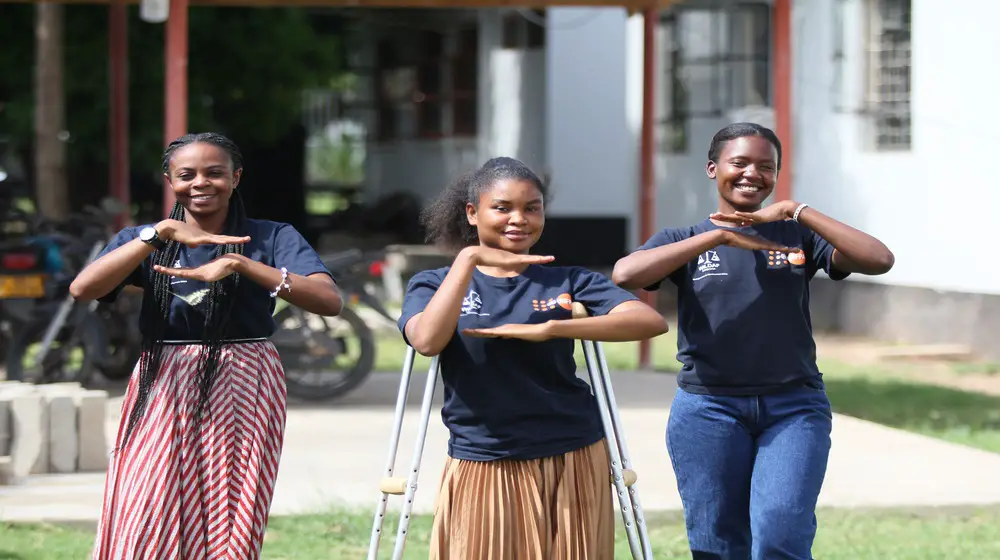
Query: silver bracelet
point(795, 216)
point(283, 284)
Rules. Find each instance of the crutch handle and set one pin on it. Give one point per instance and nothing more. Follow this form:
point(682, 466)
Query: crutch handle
point(628, 477)
point(395, 485)
point(579, 311)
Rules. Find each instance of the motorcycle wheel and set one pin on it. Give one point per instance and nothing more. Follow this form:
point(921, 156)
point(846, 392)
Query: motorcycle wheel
point(309, 347)
point(68, 359)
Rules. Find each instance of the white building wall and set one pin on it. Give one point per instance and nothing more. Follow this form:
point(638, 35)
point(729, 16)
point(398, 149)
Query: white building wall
point(512, 97)
point(933, 204)
point(590, 145)
point(511, 119)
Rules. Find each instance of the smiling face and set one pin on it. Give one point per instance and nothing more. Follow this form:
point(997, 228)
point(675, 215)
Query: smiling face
point(509, 216)
point(202, 178)
point(745, 173)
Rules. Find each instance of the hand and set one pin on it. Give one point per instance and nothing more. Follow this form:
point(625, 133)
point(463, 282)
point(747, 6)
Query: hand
point(776, 212)
point(183, 232)
point(753, 243)
point(487, 256)
point(531, 333)
point(212, 271)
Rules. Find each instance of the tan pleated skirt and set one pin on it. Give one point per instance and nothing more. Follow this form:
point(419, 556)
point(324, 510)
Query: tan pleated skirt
point(554, 508)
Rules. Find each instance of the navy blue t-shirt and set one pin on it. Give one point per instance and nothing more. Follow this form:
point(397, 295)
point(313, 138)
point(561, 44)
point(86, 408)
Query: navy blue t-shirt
point(743, 316)
point(272, 243)
point(514, 399)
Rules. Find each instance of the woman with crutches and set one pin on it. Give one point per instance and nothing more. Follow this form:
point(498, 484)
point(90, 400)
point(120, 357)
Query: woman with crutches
point(528, 473)
point(749, 428)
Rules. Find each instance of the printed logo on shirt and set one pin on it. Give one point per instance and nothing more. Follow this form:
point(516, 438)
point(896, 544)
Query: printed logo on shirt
point(562, 300)
point(175, 280)
point(777, 259)
point(472, 304)
point(708, 265)
point(193, 299)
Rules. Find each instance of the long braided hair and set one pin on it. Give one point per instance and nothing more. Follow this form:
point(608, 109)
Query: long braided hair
point(220, 299)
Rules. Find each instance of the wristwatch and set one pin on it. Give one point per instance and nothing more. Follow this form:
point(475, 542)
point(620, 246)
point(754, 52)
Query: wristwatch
point(149, 236)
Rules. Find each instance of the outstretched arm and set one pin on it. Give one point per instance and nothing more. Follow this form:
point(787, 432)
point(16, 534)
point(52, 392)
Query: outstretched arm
point(316, 293)
point(100, 277)
point(124, 255)
point(854, 250)
point(618, 316)
point(628, 321)
point(647, 267)
point(429, 331)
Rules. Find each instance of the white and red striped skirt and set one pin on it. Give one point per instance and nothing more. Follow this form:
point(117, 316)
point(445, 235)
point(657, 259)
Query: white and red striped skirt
point(189, 490)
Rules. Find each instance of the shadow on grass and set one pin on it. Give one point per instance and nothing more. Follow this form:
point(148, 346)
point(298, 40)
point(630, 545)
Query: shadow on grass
point(951, 414)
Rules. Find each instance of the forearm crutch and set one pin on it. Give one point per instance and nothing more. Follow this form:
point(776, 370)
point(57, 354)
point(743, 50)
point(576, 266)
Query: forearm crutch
point(622, 474)
point(405, 486)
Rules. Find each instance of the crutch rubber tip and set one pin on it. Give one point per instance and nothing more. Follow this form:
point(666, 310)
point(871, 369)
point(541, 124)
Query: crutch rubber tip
point(393, 485)
point(579, 311)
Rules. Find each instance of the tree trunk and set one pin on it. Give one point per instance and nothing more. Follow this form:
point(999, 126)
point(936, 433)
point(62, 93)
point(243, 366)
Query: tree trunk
point(51, 187)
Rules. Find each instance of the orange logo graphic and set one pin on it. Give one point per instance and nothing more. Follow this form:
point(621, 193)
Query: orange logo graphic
point(798, 258)
point(562, 300)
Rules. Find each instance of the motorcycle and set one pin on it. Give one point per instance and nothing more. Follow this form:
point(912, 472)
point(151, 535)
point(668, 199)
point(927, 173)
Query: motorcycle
point(66, 340)
point(327, 357)
point(23, 277)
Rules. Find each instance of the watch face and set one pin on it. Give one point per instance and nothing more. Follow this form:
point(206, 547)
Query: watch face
point(147, 234)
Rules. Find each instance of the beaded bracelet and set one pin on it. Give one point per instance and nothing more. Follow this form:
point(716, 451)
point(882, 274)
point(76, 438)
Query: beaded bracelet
point(283, 284)
point(795, 216)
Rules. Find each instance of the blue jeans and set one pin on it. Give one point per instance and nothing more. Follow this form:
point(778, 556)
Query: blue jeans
point(749, 471)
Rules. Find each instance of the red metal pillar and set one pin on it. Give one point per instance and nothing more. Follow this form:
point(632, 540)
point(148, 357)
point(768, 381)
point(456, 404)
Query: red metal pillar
point(175, 82)
point(647, 196)
point(118, 129)
point(781, 24)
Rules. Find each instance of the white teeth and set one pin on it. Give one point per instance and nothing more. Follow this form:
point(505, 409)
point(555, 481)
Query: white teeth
point(748, 188)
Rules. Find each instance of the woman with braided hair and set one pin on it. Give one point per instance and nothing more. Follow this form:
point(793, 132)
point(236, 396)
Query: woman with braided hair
point(196, 456)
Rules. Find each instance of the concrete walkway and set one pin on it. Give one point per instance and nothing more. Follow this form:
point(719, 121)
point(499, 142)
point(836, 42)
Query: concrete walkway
point(336, 454)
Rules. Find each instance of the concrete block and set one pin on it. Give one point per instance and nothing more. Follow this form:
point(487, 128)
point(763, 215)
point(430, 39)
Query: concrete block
point(9, 388)
point(29, 446)
point(5, 384)
point(63, 387)
point(92, 443)
point(63, 436)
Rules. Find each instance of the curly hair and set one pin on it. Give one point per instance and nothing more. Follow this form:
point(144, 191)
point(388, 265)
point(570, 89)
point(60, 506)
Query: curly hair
point(220, 297)
point(445, 219)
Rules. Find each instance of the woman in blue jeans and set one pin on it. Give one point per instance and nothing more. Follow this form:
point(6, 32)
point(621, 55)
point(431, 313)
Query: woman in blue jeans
point(749, 428)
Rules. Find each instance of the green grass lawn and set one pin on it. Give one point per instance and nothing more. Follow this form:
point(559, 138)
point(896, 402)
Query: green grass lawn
point(884, 395)
point(968, 533)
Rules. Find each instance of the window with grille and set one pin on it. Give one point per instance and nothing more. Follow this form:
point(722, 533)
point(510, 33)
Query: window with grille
point(717, 58)
point(888, 91)
point(430, 77)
